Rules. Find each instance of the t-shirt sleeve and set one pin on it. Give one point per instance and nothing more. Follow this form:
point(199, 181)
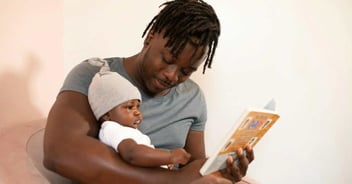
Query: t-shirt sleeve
point(79, 78)
point(199, 123)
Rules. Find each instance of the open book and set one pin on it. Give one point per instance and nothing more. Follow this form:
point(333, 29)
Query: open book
point(248, 130)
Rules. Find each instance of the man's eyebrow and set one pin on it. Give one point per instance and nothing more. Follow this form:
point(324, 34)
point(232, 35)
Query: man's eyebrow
point(192, 68)
point(167, 53)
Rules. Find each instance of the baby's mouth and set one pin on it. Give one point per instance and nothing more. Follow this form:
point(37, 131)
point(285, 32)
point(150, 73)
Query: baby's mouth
point(137, 122)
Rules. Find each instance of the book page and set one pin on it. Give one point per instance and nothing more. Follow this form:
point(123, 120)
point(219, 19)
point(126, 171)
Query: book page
point(250, 128)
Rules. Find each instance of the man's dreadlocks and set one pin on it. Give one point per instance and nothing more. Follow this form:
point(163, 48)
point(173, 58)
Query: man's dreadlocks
point(182, 20)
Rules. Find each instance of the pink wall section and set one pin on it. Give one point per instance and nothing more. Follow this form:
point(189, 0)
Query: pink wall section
point(31, 73)
point(31, 58)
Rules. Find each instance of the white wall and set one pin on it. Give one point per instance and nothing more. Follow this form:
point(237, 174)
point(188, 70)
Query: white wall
point(299, 52)
point(31, 57)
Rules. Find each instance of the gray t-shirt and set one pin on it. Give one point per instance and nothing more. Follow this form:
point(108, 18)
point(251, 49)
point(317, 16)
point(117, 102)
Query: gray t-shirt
point(166, 119)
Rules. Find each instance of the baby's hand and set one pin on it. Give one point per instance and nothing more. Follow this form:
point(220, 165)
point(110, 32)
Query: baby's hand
point(179, 156)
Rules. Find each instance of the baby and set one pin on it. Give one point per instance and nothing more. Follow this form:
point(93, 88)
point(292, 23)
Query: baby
point(115, 103)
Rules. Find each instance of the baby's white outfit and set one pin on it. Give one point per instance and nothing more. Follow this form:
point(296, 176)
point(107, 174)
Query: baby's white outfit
point(112, 133)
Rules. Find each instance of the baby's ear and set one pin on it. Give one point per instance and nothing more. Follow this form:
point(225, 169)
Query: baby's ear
point(105, 117)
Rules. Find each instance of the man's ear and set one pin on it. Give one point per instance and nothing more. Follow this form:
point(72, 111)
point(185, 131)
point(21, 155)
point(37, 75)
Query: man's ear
point(149, 37)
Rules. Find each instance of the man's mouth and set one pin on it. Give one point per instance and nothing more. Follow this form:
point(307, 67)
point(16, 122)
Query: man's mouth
point(161, 84)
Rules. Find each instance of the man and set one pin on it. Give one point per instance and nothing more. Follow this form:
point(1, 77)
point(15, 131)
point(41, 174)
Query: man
point(178, 40)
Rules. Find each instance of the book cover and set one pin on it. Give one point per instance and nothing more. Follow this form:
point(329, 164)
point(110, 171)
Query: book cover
point(249, 129)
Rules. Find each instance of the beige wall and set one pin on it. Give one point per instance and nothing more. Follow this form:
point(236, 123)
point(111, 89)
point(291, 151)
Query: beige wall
point(31, 58)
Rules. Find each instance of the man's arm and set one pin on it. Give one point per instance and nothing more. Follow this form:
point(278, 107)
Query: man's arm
point(195, 144)
point(71, 149)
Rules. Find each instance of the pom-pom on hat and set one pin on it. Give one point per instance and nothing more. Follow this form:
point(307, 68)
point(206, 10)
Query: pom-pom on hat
point(108, 89)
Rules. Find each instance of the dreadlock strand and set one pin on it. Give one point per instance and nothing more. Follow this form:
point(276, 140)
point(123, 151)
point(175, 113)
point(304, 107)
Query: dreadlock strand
point(183, 20)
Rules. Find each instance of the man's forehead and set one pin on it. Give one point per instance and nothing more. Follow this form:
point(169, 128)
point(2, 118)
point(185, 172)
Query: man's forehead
point(195, 51)
point(189, 60)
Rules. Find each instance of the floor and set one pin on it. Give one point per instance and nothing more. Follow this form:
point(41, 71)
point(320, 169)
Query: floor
point(16, 165)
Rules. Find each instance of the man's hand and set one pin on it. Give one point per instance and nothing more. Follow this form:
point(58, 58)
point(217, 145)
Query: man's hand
point(235, 172)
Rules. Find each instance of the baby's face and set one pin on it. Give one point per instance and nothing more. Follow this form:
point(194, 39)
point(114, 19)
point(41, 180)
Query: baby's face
point(127, 114)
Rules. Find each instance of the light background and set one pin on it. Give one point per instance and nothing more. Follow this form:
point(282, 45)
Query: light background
point(298, 52)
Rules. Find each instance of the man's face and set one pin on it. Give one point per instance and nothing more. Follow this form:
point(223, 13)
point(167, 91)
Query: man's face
point(160, 70)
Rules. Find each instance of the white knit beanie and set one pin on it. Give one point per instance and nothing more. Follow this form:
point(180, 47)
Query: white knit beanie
point(108, 89)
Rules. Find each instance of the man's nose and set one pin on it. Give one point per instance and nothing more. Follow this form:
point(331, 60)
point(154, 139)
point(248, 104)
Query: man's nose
point(172, 73)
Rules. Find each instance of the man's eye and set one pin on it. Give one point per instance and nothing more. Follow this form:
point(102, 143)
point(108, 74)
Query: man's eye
point(166, 61)
point(186, 73)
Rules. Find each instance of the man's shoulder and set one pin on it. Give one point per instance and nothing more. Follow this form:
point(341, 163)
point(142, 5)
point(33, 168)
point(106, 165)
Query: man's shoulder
point(189, 90)
point(188, 86)
point(115, 63)
point(79, 78)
